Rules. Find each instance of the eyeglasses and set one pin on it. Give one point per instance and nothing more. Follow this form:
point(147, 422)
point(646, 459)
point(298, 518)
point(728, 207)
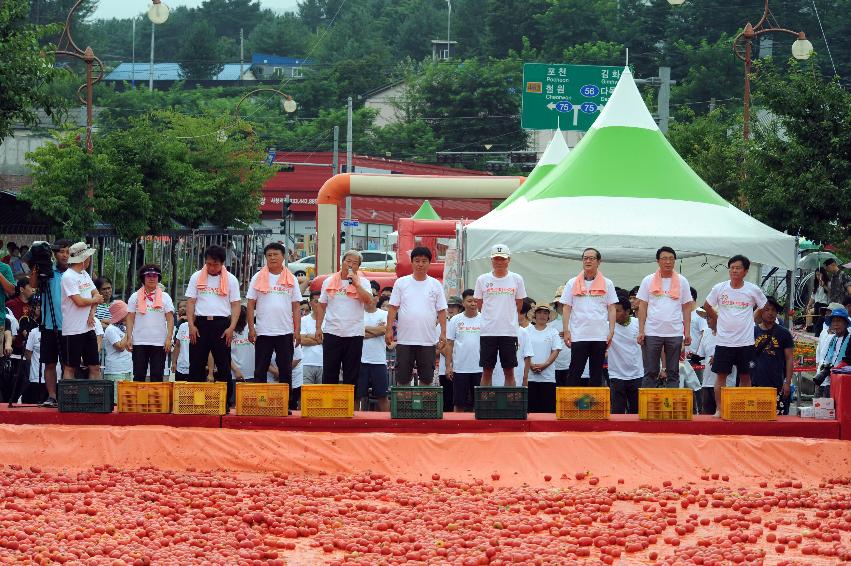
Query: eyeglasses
point(667, 258)
point(589, 258)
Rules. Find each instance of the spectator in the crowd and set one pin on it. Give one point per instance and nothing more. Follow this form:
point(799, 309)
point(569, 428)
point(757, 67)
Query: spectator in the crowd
point(11, 251)
point(20, 269)
point(180, 353)
point(273, 301)
point(150, 325)
point(104, 287)
point(454, 306)
point(312, 355)
point(303, 283)
point(524, 350)
point(373, 284)
point(664, 319)
point(529, 306)
point(626, 368)
point(7, 284)
point(836, 349)
point(633, 300)
point(562, 363)
point(22, 307)
point(698, 324)
point(304, 307)
point(589, 319)
point(35, 391)
point(419, 302)
point(840, 282)
point(340, 308)
point(181, 312)
point(373, 363)
point(773, 355)
point(386, 292)
point(118, 362)
point(462, 352)
point(546, 344)
point(243, 352)
point(79, 300)
point(297, 378)
point(733, 322)
point(499, 294)
point(212, 311)
point(819, 299)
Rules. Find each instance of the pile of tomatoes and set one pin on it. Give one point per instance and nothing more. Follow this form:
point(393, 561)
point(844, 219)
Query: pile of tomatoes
point(111, 516)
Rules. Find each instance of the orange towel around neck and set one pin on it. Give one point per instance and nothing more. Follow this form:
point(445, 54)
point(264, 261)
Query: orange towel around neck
point(656, 287)
point(142, 299)
point(223, 281)
point(598, 286)
point(262, 283)
point(337, 283)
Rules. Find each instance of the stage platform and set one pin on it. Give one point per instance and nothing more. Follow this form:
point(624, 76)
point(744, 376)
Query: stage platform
point(452, 423)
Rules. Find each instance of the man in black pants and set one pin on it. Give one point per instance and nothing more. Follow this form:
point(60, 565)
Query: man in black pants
point(212, 310)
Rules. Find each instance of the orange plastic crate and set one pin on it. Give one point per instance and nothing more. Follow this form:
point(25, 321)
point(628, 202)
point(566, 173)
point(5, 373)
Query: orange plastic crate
point(190, 398)
point(262, 399)
point(749, 403)
point(665, 404)
point(328, 401)
point(583, 403)
point(144, 397)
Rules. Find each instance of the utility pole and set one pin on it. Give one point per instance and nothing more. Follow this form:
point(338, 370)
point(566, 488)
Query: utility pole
point(335, 166)
point(664, 103)
point(151, 69)
point(241, 53)
point(448, 27)
point(349, 160)
point(133, 55)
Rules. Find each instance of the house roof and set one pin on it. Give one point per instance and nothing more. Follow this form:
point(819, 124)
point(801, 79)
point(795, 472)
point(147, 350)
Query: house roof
point(278, 60)
point(168, 72)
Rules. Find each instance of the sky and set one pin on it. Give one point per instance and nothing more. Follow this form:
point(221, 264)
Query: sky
point(128, 8)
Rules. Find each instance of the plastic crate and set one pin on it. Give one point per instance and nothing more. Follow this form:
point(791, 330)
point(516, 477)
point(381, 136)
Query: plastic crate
point(85, 395)
point(665, 404)
point(501, 402)
point(144, 397)
point(262, 399)
point(416, 402)
point(583, 403)
point(201, 398)
point(328, 401)
point(749, 403)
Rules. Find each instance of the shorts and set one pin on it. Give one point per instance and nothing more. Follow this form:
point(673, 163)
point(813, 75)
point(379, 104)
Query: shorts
point(81, 346)
point(504, 346)
point(742, 357)
point(463, 389)
point(51, 352)
point(375, 376)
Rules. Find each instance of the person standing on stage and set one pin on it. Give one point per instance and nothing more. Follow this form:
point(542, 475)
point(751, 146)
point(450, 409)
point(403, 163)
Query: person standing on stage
point(588, 319)
point(274, 298)
point(150, 325)
point(79, 301)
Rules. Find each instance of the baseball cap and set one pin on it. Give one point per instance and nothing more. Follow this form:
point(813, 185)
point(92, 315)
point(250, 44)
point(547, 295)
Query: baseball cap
point(500, 250)
point(455, 300)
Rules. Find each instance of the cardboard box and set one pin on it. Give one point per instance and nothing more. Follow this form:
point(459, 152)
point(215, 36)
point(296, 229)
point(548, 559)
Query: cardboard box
point(823, 403)
point(825, 414)
point(806, 412)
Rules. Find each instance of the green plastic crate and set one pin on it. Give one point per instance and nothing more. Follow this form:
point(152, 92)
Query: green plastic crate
point(501, 402)
point(85, 395)
point(416, 402)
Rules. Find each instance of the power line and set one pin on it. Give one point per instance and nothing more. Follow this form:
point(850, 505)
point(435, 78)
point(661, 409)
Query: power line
point(818, 17)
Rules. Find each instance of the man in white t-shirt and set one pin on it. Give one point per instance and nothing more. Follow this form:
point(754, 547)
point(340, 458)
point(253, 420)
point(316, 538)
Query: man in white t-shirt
point(273, 299)
point(589, 319)
point(733, 322)
point(499, 295)
point(463, 351)
point(312, 355)
point(212, 311)
point(419, 302)
point(624, 357)
point(79, 301)
point(664, 319)
point(373, 361)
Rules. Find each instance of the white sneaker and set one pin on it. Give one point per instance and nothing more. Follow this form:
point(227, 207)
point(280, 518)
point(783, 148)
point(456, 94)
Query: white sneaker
point(717, 414)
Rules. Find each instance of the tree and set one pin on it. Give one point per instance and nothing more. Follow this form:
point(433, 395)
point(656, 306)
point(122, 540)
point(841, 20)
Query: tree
point(568, 22)
point(26, 70)
point(594, 53)
point(200, 58)
point(707, 70)
point(506, 22)
point(283, 35)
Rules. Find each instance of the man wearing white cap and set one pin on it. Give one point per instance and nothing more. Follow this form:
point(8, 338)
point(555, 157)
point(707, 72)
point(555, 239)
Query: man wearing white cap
point(499, 295)
point(79, 301)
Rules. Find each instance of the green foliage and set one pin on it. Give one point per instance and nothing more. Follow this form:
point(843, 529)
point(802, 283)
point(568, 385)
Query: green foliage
point(569, 22)
point(708, 70)
point(594, 53)
point(200, 58)
point(279, 34)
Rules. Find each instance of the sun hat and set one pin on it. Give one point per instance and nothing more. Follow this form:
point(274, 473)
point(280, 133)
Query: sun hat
point(840, 312)
point(455, 300)
point(500, 250)
point(117, 311)
point(80, 252)
point(558, 294)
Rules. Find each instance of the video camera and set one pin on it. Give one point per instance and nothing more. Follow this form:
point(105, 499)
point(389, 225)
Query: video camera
point(40, 257)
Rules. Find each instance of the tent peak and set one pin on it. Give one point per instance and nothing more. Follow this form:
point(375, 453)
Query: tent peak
point(426, 212)
point(625, 107)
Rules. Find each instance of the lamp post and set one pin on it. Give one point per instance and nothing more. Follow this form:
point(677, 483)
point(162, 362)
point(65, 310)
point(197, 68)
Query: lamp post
point(448, 26)
point(288, 103)
point(157, 14)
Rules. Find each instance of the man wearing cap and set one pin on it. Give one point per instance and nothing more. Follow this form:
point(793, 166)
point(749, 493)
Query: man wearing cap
point(773, 355)
point(836, 350)
point(840, 282)
point(589, 319)
point(150, 325)
point(79, 301)
point(499, 294)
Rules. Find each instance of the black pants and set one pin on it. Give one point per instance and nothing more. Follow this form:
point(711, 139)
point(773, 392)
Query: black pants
point(624, 396)
point(148, 356)
point(707, 405)
point(282, 347)
point(580, 354)
point(408, 356)
point(210, 341)
point(337, 352)
point(542, 397)
point(561, 377)
point(447, 394)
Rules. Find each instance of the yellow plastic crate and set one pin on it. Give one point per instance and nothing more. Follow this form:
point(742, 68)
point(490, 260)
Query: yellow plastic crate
point(328, 401)
point(665, 404)
point(144, 397)
point(262, 399)
point(749, 403)
point(190, 398)
point(583, 403)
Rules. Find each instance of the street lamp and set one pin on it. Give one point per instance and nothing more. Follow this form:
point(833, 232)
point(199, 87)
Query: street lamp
point(157, 14)
point(448, 26)
point(675, 2)
point(288, 103)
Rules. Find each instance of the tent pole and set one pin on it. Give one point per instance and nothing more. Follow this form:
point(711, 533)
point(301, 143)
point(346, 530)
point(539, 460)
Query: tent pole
point(790, 287)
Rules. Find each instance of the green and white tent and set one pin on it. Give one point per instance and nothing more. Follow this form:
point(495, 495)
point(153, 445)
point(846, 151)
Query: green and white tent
point(625, 191)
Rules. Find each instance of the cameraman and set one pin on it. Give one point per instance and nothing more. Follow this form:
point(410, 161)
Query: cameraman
point(837, 349)
point(7, 285)
point(52, 315)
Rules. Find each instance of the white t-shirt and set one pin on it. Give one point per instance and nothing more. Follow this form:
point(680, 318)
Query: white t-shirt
point(74, 318)
point(698, 325)
point(735, 309)
point(117, 361)
point(563, 360)
point(14, 326)
point(242, 353)
point(274, 310)
point(182, 338)
point(441, 362)
point(543, 342)
point(499, 302)
point(312, 354)
point(524, 350)
point(374, 349)
point(465, 332)
point(707, 350)
point(149, 329)
point(34, 345)
point(208, 302)
point(624, 353)
point(298, 371)
point(664, 314)
point(589, 316)
point(418, 302)
point(343, 314)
